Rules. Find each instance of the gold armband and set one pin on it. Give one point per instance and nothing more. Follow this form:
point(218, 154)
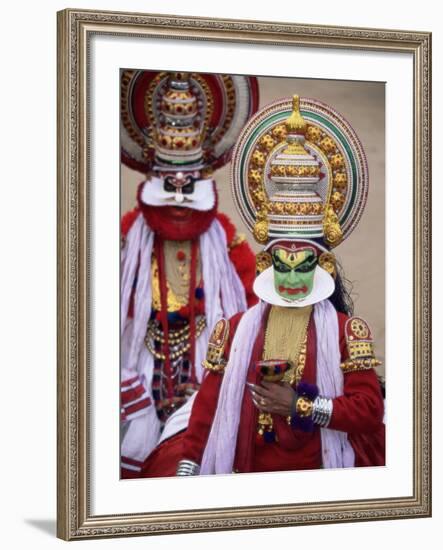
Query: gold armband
point(360, 345)
point(215, 360)
point(304, 406)
point(361, 364)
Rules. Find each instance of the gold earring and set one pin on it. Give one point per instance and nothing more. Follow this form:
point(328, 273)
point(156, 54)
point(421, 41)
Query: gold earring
point(328, 263)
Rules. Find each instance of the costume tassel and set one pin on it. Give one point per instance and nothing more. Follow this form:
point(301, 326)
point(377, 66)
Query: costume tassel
point(159, 252)
point(192, 287)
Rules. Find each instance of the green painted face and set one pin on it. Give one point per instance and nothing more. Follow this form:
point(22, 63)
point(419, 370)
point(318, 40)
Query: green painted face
point(294, 272)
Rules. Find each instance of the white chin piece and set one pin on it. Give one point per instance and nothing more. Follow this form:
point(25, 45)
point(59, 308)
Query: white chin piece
point(322, 288)
point(203, 197)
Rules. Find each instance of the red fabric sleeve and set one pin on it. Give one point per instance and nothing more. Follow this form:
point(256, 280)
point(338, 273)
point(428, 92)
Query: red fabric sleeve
point(242, 257)
point(203, 411)
point(360, 409)
point(127, 220)
point(204, 407)
point(163, 460)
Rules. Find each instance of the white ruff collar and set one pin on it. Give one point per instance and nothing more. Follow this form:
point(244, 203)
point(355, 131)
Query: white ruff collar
point(203, 197)
point(264, 288)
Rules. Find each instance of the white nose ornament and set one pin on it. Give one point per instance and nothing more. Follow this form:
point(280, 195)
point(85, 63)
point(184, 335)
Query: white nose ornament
point(179, 196)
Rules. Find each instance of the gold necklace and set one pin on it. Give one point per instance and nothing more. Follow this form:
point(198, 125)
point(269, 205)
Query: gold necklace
point(285, 339)
point(178, 275)
point(286, 332)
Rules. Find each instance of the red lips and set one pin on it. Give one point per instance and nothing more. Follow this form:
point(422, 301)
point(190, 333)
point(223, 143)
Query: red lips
point(293, 291)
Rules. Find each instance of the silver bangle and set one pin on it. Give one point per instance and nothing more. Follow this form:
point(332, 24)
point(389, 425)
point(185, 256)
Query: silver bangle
point(187, 468)
point(322, 411)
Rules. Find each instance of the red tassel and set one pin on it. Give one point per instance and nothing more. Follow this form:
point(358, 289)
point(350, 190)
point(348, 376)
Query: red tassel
point(192, 286)
point(159, 252)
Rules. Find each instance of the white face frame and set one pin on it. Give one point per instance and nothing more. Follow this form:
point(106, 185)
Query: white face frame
point(202, 197)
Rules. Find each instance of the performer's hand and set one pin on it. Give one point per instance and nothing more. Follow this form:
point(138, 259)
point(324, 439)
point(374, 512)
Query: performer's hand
point(273, 397)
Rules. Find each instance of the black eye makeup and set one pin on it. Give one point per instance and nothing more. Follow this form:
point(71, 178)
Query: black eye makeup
point(305, 267)
point(308, 265)
point(279, 265)
point(168, 185)
point(187, 188)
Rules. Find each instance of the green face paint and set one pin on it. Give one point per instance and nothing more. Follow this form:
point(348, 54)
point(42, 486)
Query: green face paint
point(294, 272)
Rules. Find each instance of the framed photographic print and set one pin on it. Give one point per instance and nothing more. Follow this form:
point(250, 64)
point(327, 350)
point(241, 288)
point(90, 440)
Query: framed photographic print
point(244, 274)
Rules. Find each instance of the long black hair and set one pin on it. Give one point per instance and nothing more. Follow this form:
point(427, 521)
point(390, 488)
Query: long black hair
point(341, 297)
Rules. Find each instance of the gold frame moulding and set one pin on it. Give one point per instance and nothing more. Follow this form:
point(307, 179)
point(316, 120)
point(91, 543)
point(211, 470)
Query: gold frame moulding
point(75, 29)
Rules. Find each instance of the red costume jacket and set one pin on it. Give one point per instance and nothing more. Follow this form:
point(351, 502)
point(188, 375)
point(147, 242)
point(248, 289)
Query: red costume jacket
point(358, 412)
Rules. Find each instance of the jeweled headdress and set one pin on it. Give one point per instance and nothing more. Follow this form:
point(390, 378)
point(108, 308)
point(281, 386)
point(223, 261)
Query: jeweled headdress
point(182, 121)
point(299, 171)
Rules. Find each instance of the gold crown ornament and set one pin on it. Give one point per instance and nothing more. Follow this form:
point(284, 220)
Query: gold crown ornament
point(178, 136)
point(299, 171)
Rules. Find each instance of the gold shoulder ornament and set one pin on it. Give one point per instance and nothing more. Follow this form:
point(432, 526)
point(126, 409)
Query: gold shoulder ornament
point(215, 360)
point(360, 346)
point(239, 238)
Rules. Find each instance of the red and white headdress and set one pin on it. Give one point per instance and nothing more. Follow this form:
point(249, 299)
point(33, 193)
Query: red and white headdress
point(182, 121)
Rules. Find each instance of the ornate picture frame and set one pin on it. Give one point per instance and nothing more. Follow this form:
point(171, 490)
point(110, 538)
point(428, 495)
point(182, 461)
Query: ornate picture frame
point(76, 29)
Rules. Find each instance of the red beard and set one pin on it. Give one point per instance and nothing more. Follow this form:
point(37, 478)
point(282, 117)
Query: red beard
point(175, 223)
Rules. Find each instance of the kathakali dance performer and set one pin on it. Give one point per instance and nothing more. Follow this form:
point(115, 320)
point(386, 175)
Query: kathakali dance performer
point(291, 384)
point(183, 266)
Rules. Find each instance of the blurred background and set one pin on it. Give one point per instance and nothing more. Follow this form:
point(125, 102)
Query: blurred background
point(362, 254)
